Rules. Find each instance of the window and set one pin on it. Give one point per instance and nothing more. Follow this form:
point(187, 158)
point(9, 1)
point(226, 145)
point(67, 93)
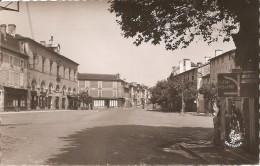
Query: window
point(69, 73)
point(114, 93)
point(11, 60)
point(115, 85)
point(22, 63)
point(1, 57)
point(99, 84)
point(34, 61)
point(51, 63)
point(74, 75)
point(43, 64)
point(99, 93)
point(86, 84)
point(192, 77)
point(58, 70)
point(64, 72)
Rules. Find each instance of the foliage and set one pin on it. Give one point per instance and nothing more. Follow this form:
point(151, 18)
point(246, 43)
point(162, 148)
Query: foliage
point(168, 94)
point(84, 97)
point(177, 23)
point(209, 92)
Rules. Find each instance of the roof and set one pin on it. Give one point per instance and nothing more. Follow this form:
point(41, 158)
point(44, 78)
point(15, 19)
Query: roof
point(10, 43)
point(225, 53)
point(193, 64)
point(98, 77)
point(205, 64)
point(19, 37)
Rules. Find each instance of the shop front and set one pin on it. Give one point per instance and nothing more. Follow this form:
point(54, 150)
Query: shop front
point(15, 99)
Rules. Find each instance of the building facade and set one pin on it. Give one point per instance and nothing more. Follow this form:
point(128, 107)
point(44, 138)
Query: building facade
point(107, 90)
point(13, 72)
point(52, 77)
point(223, 63)
point(202, 80)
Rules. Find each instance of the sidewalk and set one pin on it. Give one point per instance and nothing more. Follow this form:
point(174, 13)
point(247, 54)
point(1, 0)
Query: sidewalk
point(206, 151)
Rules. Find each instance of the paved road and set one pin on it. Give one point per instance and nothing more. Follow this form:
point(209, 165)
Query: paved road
point(114, 136)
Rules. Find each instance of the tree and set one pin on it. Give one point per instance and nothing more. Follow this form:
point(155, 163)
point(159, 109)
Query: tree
point(178, 22)
point(168, 94)
point(84, 98)
point(209, 93)
point(160, 94)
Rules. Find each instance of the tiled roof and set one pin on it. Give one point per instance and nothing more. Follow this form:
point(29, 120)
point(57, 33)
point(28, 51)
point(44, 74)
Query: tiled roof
point(10, 43)
point(225, 53)
point(20, 37)
point(98, 77)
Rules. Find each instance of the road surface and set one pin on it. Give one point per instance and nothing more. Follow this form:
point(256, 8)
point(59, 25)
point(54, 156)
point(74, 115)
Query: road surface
point(108, 136)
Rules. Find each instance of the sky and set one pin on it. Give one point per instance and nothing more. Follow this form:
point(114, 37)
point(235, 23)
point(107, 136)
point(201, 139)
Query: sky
point(89, 35)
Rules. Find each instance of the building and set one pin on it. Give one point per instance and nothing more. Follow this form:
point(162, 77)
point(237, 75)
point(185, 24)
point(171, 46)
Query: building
point(52, 77)
point(186, 65)
point(13, 72)
point(202, 80)
point(107, 90)
point(223, 63)
point(187, 76)
point(126, 94)
point(133, 93)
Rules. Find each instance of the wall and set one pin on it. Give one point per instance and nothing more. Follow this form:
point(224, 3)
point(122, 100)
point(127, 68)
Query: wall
point(222, 64)
point(42, 73)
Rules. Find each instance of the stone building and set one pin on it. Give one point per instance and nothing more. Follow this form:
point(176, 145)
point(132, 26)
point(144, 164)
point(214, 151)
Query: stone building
point(105, 89)
point(52, 77)
point(223, 63)
point(13, 72)
point(203, 80)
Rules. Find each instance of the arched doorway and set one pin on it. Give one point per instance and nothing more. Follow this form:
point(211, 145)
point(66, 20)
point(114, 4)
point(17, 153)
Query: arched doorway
point(43, 96)
point(57, 99)
point(34, 97)
point(63, 97)
point(49, 103)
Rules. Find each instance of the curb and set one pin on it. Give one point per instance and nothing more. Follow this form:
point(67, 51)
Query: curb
point(195, 154)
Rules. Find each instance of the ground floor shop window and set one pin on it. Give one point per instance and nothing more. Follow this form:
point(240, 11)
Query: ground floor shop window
point(113, 103)
point(15, 99)
point(99, 103)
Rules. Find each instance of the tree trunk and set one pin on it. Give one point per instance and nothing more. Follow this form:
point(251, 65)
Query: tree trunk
point(247, 39)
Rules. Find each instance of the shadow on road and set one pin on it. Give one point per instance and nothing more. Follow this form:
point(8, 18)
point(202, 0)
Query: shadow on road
point(129, 144)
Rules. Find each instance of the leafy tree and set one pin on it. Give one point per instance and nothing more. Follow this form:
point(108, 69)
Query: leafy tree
point(209, 92)
point(179, 22)
point(84, 98)
point(168, 94)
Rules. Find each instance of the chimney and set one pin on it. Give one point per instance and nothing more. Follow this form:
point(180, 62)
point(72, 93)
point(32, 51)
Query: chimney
point(12, 29)
point(43, 43)
point(199, 64)
point(218, 52)
point(117, 75)
point(3, 29)
point(207, 59)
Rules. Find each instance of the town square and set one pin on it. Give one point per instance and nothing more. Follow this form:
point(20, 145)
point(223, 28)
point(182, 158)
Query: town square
point(121, 82)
